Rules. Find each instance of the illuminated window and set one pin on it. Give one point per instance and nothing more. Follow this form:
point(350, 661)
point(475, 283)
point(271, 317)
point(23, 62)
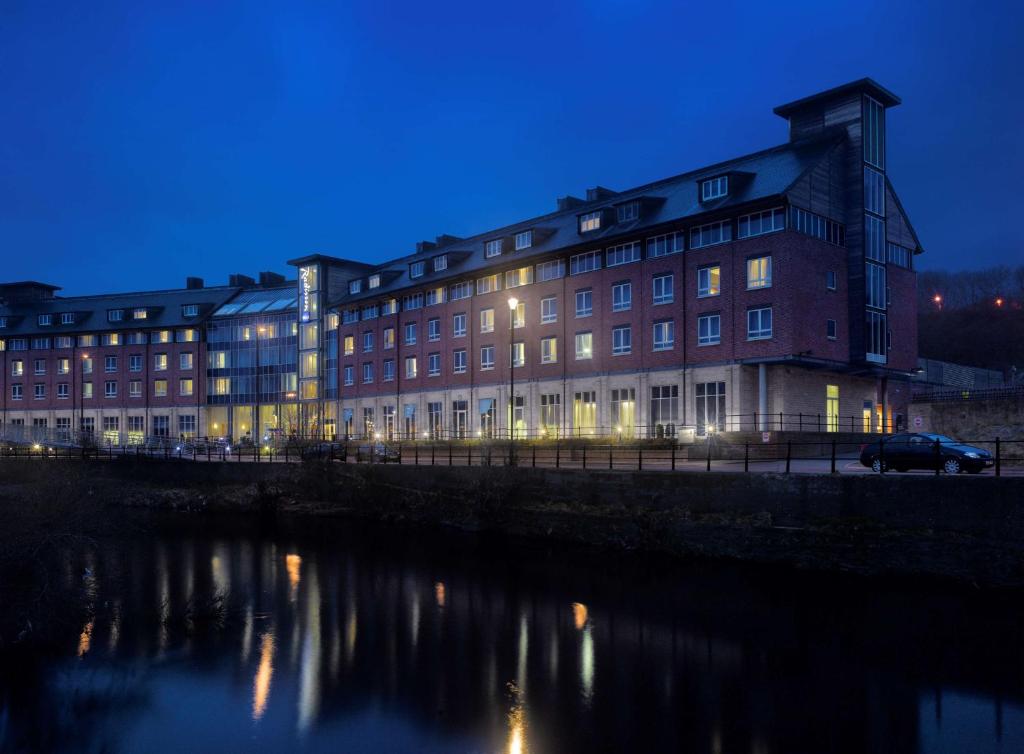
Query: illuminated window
point(521, 276)
point(388, 338)
point(487, 320)
point(590, 221)
point(759, 273)
point(410, 367)
point(160, 362)
point(584, 345)
point(832, 407)
point(518, 354)
point(185, 386)
point(221, 385)
point(549, 350)
point(487, 284)
point(139, 313)
point(709, 281)
point(350, 344)
point(160, 388)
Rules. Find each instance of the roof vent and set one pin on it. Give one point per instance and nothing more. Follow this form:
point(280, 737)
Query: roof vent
point(270, 278)
point(239, 280)
point(193, 283)
point(568, 202)
point(598, 193)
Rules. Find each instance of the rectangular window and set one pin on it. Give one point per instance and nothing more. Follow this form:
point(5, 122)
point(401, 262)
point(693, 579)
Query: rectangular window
point(898, 255)
point(622, 340)
point(487, 357)
point(830, 329)
point(412, 301)
point(830, 280)
point(584, 302)
point(349, 374)
point(161, 336)
point(622, 297)
point(524, 240)
point(759, 273)
point(109, 363)
point(410, 333)
point(581, 263)
point(135, 388)
point(367, 342)
point(623, 406)
point(659, 246)
point(552, 270)
point(709, 329)
point(492, 248)
point(875, 285)
point(349, 344)
point(160, 388)
point(663, 289)
point(759, 223)
point(62, 390)
point(435, 296)
point(410, 367)
point(664, 335)
point(40, 391)
point(388, 370)
point(40, 365)
point(713, 188)
point(349, 316)
point(388, 338)
point(68, 318)
point(433, 365)
point(487, 320)
point(459, 325)
point(521, 276)
point(370, 311)
point(115, 315)
point(518, 354)
point(832, 408)
point(63, 366)
point(17, 368)
point(623, 254)
point(373, 282)
point(551, 414)
point(590, 221)
point(139, 313)
point(441, 263)
point(874, 238)
point(40, 344)
point(62, 341)
point(487, 284)
point(549, 350)
point(874, 133)
point(434, 329)
point(711, 234)
point(584, 345)
point(185, 386)
point(664, 409)
point(709, 281)
point(710, 407)
point(519, 315)
point(759, 323)
point(111, 339)
point(434, 425)
point(459, 361)
point(355, 286)
point(548, 310)
point(44, 319)
point(628, 212)
point(367, 372)
point(874, 191)
point(416, 269)
point(17, 391)
point(160, 362)
point(86, 365)
point(584, 412)
point(817, 226)
point(459, 291)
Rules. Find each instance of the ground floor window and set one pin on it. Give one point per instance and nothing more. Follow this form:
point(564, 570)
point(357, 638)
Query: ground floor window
point(460, 419)
point(664, 410)
point(389, 422)
point(136, 429)
point(161, 426)
point(39, 423)
point(624, 411)
point(710, 406)
point(368, 422)
point(434, 424)
point(518, 422)
point(584, 413)
point(409, 420)
point(487, 417)
point(186, 426)
point(348, 421)
point(64, 427)
point(551, 414)
point(832, 408)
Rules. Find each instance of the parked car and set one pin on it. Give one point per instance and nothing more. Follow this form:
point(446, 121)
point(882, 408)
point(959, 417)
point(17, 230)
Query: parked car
point(916, 450)
point(379, 451)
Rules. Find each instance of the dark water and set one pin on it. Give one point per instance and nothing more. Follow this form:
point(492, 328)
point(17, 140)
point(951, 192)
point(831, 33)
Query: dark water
point(361, 638)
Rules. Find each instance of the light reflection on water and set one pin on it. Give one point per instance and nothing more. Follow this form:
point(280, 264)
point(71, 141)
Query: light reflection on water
point(371, 640)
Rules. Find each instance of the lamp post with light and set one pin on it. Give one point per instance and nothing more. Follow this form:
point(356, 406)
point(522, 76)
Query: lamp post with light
point(258, 423)
point(513, 305)
point(76, 428)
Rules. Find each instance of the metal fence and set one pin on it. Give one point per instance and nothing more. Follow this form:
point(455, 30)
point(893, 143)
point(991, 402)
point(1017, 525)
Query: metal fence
point(968, 394)
point(822, 456)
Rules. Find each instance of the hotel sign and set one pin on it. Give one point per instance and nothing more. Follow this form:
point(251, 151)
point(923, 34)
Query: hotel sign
point(305, 293)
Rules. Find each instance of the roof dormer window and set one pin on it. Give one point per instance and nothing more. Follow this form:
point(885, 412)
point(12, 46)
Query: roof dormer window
point(374, 282)
point(3, 321)
point(441, 263)
point(139, 313)
point(190, 310)
point(590, 221)
point(628, 212)
point(115, 315)
point(492, 248)
point(713, 188)
point(67, 318)
point(416, 269)
point(524, 240)
point(45, 320)
point(355, 286)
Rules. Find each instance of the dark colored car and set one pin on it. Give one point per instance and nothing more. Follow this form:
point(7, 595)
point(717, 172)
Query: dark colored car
point(917, 450)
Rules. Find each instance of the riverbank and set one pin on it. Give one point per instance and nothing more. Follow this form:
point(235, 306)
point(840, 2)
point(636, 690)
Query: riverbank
point(967, 529)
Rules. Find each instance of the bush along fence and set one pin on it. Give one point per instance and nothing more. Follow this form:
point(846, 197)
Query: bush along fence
point(883, 455)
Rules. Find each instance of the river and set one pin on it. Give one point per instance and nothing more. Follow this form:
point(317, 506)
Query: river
point(222, 635)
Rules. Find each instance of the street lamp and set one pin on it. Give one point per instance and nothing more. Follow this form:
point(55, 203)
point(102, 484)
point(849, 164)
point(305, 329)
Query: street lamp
point(513, 305)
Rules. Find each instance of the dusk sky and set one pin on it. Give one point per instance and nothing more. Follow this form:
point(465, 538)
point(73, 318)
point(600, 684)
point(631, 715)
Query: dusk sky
point(143, 142)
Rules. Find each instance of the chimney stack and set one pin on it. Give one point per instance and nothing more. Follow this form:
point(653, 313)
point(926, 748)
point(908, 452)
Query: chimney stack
point(268, 279)
point(238, 280)
point(192, 283)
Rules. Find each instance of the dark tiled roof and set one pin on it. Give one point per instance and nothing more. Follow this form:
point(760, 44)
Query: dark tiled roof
point(769, 174)
point(164, 311)
point(867, 86)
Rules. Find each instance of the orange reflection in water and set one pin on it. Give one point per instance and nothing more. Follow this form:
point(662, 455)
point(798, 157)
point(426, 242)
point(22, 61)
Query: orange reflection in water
point(85, 639)
point(293, 564)
point(261, 684)
point(439, 593)
point(579, 614)
point(516, 723)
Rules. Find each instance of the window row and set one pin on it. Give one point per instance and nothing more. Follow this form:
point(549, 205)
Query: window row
point(186, 387)
point(110, 364)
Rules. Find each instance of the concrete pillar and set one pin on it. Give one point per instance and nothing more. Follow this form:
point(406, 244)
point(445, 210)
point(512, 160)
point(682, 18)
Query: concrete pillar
point(762, 396)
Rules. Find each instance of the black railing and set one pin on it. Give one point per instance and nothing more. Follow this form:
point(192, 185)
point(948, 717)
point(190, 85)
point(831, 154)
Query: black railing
point(968, 394)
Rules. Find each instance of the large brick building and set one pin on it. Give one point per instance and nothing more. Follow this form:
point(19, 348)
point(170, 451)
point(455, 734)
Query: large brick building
point(777, 287)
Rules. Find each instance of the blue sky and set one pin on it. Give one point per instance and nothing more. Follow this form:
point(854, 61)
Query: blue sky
point(143, 142)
